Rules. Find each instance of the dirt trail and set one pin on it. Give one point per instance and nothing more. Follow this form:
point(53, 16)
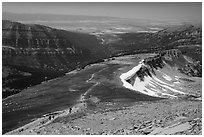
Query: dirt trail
point(49, 118)
point(90, 80)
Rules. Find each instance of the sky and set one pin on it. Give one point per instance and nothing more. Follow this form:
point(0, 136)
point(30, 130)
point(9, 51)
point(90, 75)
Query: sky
point(159, 11)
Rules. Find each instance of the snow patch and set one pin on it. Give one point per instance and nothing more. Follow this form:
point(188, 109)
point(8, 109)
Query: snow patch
point(149, 85)
point(168, 78)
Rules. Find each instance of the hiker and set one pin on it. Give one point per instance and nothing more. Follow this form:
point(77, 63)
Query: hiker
point(70, 110)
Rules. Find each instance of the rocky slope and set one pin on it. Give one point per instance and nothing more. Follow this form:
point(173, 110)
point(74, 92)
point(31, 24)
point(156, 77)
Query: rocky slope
point(187, 38)
point(185, 35)
point(158, 118)
point(184, 64)
point(160, 76)
point(38, 40)
point(43, 52)
point(173, 58)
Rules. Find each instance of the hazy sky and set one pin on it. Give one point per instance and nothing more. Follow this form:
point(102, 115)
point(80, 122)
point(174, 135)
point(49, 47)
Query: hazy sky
point(163, 11)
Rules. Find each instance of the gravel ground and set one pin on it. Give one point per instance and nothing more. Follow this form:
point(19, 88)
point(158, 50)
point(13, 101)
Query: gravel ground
point(180, 116)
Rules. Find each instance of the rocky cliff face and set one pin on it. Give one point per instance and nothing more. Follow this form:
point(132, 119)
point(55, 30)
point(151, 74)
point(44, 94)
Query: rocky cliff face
point(186, 65)
point(38, 40)
point(174, 59)
point(43, 52)
point(161, 75)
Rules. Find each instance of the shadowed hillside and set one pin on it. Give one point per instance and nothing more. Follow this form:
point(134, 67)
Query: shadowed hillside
point(43, 53)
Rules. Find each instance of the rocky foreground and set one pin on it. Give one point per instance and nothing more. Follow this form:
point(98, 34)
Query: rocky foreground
point(166, 117)
point(163, 117)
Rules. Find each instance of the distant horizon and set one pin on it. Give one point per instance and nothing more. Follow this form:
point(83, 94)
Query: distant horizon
point(133, 19)
point(181, 11)
point(67, 15)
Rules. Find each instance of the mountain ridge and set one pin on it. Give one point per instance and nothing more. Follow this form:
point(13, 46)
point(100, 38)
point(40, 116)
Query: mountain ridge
point(44, 51)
